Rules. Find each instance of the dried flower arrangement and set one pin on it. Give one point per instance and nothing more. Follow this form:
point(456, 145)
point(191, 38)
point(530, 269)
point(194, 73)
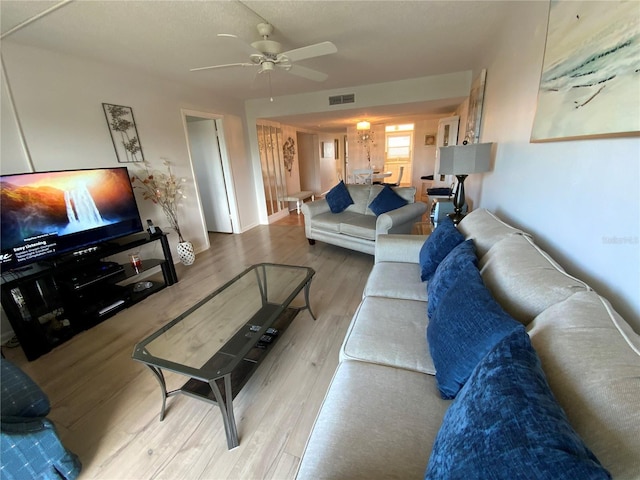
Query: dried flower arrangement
point(163, 189)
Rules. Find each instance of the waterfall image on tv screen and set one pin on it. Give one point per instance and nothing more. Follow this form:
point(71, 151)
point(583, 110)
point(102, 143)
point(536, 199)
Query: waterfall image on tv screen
point(47, 214)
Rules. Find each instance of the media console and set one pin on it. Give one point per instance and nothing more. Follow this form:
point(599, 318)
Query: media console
point(49, 302)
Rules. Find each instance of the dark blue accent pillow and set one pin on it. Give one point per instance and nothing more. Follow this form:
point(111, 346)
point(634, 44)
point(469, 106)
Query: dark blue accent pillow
point(386, 201)
point(437, 246)
point(338, 198)
point(465, 326)
point(447, 272)
point(506, 424)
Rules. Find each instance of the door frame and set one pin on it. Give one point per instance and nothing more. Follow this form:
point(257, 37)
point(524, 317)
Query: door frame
point(226, 167)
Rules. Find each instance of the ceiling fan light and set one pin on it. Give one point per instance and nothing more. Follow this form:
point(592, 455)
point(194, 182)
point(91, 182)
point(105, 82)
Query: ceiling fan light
point(364, 125)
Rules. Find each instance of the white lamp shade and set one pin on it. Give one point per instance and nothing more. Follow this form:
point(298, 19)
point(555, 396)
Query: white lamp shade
point(465, 159)
point(364, 125)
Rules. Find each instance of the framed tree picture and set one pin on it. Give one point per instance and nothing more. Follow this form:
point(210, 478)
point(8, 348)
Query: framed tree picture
point(124, 133)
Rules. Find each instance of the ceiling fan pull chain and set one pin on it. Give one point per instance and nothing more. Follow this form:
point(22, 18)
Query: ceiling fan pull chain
point(270, 91)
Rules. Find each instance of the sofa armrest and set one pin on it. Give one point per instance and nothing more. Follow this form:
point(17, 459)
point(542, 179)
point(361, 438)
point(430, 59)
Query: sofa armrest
point(34, 450)
point(401, 219)
point(311, 209)
point(22, 425)
point(399, 248)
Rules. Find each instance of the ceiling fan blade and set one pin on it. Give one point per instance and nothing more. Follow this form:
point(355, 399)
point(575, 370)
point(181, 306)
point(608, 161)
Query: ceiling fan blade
point(307, 73)
point(247, 48)
point(310, 51)
point(224, 66)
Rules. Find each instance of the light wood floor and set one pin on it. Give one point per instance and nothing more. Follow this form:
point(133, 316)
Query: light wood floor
point(105, 405)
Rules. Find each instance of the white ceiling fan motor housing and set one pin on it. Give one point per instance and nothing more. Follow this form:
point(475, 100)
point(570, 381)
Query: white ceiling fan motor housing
point(267, 46)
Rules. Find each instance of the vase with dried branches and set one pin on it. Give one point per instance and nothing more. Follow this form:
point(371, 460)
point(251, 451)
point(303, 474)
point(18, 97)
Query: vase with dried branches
point(165, 190)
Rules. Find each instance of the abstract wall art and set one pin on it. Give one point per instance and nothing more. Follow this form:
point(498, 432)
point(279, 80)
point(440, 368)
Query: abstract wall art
point(590, 76)
point(474, 115)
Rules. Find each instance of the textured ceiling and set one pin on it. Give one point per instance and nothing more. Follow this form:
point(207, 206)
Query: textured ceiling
point(377, 41)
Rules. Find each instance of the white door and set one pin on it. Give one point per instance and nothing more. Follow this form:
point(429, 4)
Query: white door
point(209, 174)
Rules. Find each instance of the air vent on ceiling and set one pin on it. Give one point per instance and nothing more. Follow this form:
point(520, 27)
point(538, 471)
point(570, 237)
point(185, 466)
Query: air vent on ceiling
point(340, 99)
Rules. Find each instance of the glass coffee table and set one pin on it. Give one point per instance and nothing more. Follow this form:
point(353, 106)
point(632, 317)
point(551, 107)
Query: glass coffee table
point(219, 342)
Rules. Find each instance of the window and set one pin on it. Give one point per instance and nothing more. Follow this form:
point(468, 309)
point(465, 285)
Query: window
point(399, 152)
point(399, 147)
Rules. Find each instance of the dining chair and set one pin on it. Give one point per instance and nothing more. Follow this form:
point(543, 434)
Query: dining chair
point(397, 182)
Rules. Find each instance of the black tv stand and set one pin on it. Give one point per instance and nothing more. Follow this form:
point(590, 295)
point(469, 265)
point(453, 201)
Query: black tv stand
point(50, 302)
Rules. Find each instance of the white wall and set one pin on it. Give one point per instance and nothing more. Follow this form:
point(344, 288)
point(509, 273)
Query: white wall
point(580, 199)
point(436, 87)
point(59, 103)
point(58, 100)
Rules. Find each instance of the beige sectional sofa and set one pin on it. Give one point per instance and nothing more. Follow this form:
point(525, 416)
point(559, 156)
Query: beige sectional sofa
point(383, 409)
point(357, 227)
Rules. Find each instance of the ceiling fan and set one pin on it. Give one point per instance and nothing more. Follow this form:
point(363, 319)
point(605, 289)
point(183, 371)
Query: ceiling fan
point(268, 55)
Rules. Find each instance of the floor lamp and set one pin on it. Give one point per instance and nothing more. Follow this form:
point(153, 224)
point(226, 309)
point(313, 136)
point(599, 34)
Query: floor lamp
point(461, 161)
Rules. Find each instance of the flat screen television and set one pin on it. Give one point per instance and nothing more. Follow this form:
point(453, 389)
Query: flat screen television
point(50, 214)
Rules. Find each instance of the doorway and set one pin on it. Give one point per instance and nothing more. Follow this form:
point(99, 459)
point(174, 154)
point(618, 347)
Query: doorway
point(208, 159)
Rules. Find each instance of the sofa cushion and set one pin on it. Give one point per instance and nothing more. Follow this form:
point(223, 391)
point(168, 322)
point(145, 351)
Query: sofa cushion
point(19, 395)
point(389, 331)
point(384, 281)
point(485, 229)
point(467, 324)
point(399, 248)
point(506, 421)
point(361, 226)
point(447, 272)
point(360, 195)
point(375, 422)
point(338, 198)
point(437, 246)
point(524, 279)
point(591, 358)
point(331, 222)
point(408, 193)
point(386, 201)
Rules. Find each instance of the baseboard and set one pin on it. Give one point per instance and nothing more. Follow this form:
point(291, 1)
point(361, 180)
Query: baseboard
point(6, 336)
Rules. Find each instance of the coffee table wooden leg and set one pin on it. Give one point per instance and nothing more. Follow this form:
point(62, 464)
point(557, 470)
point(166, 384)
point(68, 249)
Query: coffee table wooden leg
point(163, 387)
point(226, 407)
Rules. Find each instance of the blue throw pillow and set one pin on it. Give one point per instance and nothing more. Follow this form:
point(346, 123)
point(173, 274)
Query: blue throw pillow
point(386, 201)
point(465, 326)
point(437, 246)
point(338, 198)
point(506, 424)
point(447, 272)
